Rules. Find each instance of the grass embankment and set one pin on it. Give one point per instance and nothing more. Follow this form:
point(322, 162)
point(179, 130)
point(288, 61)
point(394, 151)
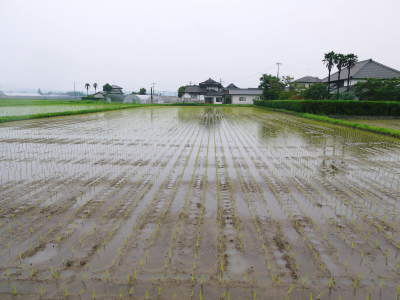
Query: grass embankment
point(21, 102)
point(102, 108)
point(289, 107)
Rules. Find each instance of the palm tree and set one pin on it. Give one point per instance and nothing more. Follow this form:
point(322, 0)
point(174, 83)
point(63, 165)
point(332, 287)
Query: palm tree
point(350, 61)
point(87, 86)
point(339, 62)
point(329, 63)
point(95, 87)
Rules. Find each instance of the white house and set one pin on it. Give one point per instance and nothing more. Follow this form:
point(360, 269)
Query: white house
point(243, 96)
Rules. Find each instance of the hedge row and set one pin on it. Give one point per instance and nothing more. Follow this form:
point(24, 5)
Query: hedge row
point(335, 107)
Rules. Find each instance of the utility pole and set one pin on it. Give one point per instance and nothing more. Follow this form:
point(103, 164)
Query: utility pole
point(74, 90)
point(152, 91)
point(278, 64)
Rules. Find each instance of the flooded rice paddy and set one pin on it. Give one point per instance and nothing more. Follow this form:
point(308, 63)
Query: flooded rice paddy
point(39, 109)
point(197, 203)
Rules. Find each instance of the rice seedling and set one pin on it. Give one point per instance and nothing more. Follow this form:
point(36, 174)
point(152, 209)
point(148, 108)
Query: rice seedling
point(221, 199)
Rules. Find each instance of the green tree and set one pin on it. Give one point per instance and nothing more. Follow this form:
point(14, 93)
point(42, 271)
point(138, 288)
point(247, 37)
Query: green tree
point(142, 91)
point(107, 88)
point(272, 87)
point(339, 62)
point(350, 60)
point(95, 87)
point(328, 60)
point(316, 91)
point(181, 91)
point(87, 86)
point(378, 89)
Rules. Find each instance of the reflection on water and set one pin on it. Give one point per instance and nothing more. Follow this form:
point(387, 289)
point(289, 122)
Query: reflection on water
point(236, 196)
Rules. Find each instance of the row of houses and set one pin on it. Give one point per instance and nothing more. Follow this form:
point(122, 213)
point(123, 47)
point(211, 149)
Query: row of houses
point(212, 92)
point(362, 71)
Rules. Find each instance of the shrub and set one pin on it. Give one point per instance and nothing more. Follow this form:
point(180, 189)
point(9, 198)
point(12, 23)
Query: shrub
point(336, 107)
point(378, 89)
point(317, 91)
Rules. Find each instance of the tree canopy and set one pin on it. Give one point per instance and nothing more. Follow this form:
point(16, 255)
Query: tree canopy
point(272, 87)
point(142, 91)
point(181, 91)
point(107, 87)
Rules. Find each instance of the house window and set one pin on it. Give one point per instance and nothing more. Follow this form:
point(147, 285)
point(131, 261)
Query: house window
point(218, 99)
point(242, 98)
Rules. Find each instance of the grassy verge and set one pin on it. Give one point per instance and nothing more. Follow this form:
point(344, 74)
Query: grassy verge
point(370, 128)
point(22, 102)
point(67, 113)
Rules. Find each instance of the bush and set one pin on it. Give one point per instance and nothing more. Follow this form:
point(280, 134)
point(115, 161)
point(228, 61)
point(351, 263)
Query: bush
point(336, 107)
point(378, 89)
point(317, 91)
point(347, 96)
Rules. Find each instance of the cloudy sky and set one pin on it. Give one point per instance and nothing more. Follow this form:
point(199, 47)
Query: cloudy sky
point(49, 44)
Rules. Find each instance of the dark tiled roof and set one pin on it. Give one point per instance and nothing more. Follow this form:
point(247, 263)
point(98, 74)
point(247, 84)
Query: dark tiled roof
point(232, 86)
point(366, 69)
point(214, 93)
point(210, 81)
point(308, 79)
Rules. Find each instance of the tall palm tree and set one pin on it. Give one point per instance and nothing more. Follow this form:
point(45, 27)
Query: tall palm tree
point(329, 63)
point(95, 87)
point(87, 86)
point(339, 62)
point(350, 61)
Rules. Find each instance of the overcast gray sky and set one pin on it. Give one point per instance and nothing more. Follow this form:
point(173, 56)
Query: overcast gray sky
point(52, 43)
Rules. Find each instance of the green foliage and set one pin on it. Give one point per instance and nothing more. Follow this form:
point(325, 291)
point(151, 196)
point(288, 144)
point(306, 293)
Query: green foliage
point(107, 88)
point(336, 107)
point(181, 91)
point(378, 89)
point(347, 96)
point(272, 87)
point(317, 91)
point(142, 91)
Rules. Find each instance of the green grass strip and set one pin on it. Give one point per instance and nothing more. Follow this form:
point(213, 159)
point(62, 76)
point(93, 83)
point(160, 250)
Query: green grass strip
point(370, 128)
point(4, 119)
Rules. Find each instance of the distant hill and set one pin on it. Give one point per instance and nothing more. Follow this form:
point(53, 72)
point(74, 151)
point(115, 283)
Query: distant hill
point(2, 94)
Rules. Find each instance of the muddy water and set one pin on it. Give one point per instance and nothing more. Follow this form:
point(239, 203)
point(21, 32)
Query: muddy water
point(194, 202)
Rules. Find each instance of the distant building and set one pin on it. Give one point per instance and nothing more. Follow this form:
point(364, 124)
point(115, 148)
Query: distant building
point(211, 91)
point(363, 70)
point(116, 90)
point(306, 81)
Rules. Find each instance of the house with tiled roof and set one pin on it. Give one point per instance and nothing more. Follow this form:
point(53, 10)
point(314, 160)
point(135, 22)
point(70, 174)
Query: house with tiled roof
point(212, 92)
point(306, 81)
point(363, 70)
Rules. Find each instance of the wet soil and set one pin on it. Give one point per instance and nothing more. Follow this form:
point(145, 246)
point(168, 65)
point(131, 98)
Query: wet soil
point(197, 203)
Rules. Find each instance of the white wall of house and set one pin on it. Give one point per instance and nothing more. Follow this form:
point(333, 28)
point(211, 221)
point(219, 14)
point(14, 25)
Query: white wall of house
point(243, 99)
